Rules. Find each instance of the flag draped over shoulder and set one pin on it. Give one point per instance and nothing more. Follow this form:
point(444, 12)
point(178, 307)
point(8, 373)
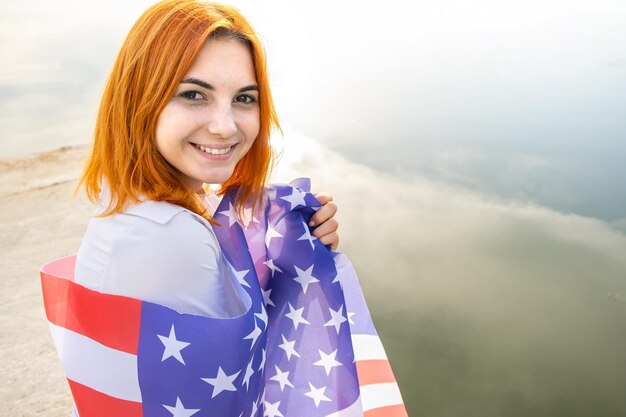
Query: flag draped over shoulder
point(306, 345)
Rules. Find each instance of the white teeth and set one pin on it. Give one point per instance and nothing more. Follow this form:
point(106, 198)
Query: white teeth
point(212, 151)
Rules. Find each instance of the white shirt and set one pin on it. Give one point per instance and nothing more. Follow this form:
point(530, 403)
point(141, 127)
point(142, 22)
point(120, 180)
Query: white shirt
point(163, 253)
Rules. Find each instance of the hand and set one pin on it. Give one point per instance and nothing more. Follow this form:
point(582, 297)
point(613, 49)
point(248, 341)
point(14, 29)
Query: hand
point(324, 223)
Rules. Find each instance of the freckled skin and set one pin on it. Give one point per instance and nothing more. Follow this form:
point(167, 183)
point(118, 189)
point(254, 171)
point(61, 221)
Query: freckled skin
point(215, 117)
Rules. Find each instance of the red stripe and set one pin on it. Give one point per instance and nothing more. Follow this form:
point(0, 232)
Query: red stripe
point(91, 403)
point(390, 411)
point(374, 372)
point(108, 319)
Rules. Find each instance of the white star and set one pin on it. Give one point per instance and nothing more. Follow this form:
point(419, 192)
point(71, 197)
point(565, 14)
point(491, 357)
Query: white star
point(296, 316)
point(261, 398)
point(262, 364)
point(262, 315)
point(296, 198)
point(328, 361)
point(271, 233)
point(307, 236)
point(271, 410)
point(221, 382)
point(305, 277)
point(337, 318)
point(248, 374)
point(254, 335)
point(274, 268)
point(179, 410)
point(248, 217)
point(172, 346)
point(267, 299)
point(282, 378)
point(289, 348)
point(240, 275)
point(231, 214)
point(317, 394)
point(350, 315)
point(254, 409)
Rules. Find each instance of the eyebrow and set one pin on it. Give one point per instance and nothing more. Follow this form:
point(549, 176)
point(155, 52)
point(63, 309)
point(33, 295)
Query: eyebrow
point(204, 84)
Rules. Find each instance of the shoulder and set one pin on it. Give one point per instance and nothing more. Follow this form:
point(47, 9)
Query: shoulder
point(160, 212)
point(152, 223)
point(151, 233)
point(158, 224)
point(156, 252)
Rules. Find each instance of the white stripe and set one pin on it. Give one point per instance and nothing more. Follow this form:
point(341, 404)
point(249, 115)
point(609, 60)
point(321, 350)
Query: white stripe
point(96, 366)
point(367, 347)
point(380, 395)
point(355, 410)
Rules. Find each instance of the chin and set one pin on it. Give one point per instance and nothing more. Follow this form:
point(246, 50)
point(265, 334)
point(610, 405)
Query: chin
point(218, 178)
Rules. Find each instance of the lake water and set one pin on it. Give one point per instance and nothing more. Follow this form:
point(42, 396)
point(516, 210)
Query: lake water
point(477, 152)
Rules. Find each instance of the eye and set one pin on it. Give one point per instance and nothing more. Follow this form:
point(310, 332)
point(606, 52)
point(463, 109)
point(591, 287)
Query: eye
point(245, 98)
point(192, 95)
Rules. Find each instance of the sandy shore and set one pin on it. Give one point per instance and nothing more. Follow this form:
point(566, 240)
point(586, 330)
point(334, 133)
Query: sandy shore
point(40, 221)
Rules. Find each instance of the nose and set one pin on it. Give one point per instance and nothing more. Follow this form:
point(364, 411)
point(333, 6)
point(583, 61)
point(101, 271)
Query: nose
point(221, 122)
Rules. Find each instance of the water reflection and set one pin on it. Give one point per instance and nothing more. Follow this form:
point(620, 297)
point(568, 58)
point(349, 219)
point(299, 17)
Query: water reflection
point(488, 308)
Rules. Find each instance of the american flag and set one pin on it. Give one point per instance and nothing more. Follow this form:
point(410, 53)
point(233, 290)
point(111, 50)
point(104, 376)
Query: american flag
point(305, 347)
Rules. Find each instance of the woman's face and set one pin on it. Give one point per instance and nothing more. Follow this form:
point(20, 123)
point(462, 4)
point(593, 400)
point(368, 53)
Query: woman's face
point(212, 119)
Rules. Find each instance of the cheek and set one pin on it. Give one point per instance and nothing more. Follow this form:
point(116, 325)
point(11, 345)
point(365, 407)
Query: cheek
point(163, 126)
point(172, 125)
point(252, 124)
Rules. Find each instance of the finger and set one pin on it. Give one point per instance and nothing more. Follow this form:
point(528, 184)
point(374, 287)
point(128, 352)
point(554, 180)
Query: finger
point(322, 215)
point(323, 197)
point(331, 239)
point(326, 228)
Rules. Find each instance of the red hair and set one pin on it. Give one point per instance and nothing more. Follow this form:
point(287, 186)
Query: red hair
point(157, 53)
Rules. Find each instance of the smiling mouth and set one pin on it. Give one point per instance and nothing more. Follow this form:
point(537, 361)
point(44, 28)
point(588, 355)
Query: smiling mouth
point(214, 151)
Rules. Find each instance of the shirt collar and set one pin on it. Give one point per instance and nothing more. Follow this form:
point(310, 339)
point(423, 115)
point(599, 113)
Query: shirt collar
point(158, 211)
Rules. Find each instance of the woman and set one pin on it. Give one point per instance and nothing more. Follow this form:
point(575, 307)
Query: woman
point(179, 111)
point(182, 304)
